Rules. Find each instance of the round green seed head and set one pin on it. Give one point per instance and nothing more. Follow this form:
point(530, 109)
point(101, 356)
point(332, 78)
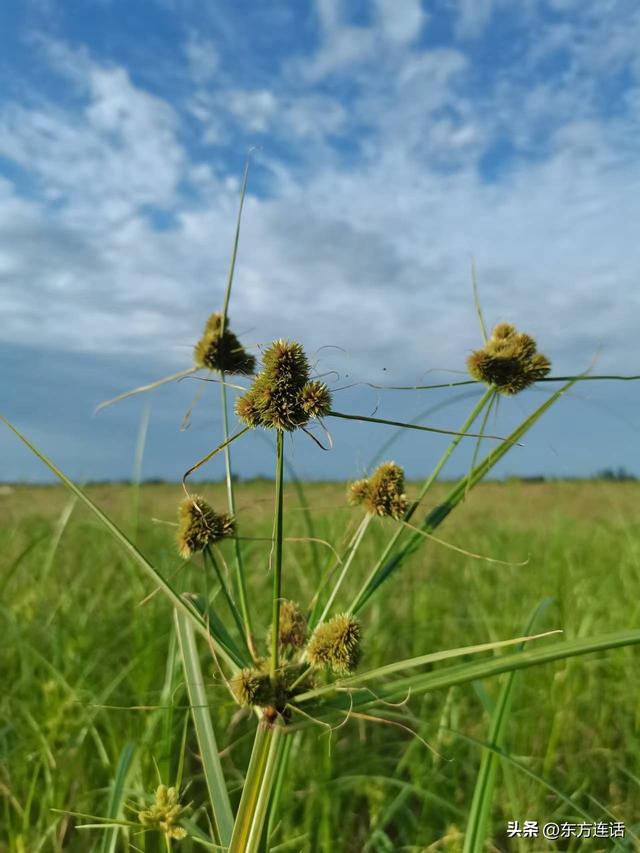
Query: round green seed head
point(509, 361)
point(222, 351)
point(336, 644)
point(252, 687)
point(200, 525)
point(292, 626)
point(382, 493)
point(282, 396)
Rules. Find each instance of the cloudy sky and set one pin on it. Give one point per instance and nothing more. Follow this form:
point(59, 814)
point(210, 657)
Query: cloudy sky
point(393, 140)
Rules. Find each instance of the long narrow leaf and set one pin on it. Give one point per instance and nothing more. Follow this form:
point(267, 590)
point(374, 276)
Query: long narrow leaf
point(422, 660)
point(214, 777)
point(438, 515)
point(479, 813)
point(418, 683)
point(117, 796)
point(165, 587)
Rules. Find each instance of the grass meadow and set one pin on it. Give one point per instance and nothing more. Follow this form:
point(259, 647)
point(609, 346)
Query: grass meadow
point(92, 679)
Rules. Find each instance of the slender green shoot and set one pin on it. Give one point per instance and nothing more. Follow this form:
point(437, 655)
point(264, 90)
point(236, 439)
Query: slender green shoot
point(277, 563)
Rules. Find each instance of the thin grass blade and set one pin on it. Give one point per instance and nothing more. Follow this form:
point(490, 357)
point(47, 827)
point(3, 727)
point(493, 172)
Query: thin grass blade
point(480, 811)
point(165, 587)
point(116, 798)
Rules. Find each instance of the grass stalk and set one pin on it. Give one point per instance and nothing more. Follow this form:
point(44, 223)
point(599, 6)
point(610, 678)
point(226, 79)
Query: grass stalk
point(391, 544)
point(354, 545)
point(231, 503)
point(251, 789)
point(198, 700)
point(233, 609)
point(277, 565)
point(267, 786)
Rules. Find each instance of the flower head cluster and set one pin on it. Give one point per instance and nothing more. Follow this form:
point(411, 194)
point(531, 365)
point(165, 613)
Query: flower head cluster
point(382, 493)
point(221, 350)
point(200, 525)
point(292, 626)
point(252, 687)
point(282, 396)
point(164, 813)
point(336, 644)
point(509, 361)
point(256, 687)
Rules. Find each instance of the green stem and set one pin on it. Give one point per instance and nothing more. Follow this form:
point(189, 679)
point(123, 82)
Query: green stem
point(355, 544)
point(283, 762)
point(208, 554)
point(251, 789)
point(231, 503)
point(266, 788)
point(277, 568)
point(234, 251)
point(475, 412)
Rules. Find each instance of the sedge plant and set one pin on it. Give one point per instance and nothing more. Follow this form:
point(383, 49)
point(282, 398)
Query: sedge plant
point(306, 666)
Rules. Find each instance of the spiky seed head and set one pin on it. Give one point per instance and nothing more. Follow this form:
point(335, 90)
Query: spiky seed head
point(164, 813)
point(509, 361)
point(336, 644)
point(252, 687)
point(282, 396)
point(316, 399)
point(200, 525)
point(382, 493)
point(221, 350)
point(292, 626)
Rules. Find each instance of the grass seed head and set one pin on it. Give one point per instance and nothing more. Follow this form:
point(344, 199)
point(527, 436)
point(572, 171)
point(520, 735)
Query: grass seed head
point(509, 361)
point(382, 493)
point(252, 687)
point(336, 644)
point(316, 399)
point(222, 351)
point(282, 396)
point(200, 525)
point(292, 626)
point(164, 813)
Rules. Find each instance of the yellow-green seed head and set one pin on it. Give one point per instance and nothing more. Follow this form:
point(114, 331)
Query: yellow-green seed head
point(316, 399)
point(292, 626)
point(200, 525)
point(336, 644)
point(382, 493)
point(282, 396)
point(252, 687)
point(509, 361)
point(164, 813)
point(222, 351)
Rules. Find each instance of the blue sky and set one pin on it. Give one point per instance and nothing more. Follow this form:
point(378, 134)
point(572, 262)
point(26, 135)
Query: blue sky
point(394, 139)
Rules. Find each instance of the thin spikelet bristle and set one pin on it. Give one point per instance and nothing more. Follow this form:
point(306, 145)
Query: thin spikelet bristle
point(509, 361)
point(200, 525)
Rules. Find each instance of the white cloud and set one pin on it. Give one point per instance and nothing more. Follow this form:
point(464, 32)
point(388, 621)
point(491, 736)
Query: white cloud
point(202, 58)
point(366, 248)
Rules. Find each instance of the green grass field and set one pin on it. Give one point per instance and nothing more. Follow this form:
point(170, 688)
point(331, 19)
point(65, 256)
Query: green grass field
point(91, 678)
